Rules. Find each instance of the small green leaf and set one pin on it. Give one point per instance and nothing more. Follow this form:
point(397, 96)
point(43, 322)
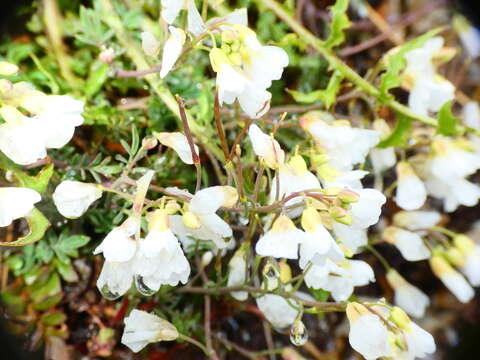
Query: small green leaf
point(107, 170)
point(38, 225)
point(447, 122)
point(66, 271)
point(396, 63)
point(96, 79)
point(66, 246)
point(50, 288)
point(54, 319)
point(400, 134)
point(327, 96)
point(38, 182)
point(339, 23)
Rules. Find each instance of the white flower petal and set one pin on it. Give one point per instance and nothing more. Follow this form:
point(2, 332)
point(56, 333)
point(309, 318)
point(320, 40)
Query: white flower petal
point(172, 50)
point(179, 143)
point(16, 203)
point(73, 198)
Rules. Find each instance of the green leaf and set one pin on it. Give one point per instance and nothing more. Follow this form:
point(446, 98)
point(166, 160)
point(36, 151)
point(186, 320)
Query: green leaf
point(38, 225)
point(339, 23)
point(67, 246)
point(96, 79)
point(327, 96)
point(107, 170)
point(400, 134)
point(50, 288)
point(38, 182)
point(447, 122)
point(396, 63)
point(66, 271)
point(54, 319)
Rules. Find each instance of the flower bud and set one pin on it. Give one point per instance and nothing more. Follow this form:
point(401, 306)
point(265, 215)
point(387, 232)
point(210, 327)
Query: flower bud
point(149, 143)
point(464, 244)
point(400, 318)
point(348, 196)
point(207, 258)
point(8, 69)
point(107, 55)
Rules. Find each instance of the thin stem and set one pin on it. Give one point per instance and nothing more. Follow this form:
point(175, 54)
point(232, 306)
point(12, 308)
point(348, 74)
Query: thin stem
point(219, 125)
point(137, 73)
point(240, 137)
point(194, 342)
point(443, 230)
point(379, 256)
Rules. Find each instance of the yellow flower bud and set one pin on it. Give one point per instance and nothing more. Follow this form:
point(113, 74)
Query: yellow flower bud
point(191, 220)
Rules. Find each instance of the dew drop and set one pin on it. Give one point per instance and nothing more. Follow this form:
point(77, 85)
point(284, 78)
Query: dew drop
point(142, 287)
point(108, 294)
point(298, 333)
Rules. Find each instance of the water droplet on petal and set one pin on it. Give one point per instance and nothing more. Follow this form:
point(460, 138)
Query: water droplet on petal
point(298, 333)
point(108, 294)
point(142, 287)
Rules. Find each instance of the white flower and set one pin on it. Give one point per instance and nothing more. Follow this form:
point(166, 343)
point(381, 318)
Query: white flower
point(118, 245)
point(416, 220)
point(143, 328)
point(368, 334)
point(471, 115)
point(408, 243)
point(429, 91)
point(293, 177)
point(172, 50)
point(453, 280)
point(266, 147)
point(160, 259)
point(420, 343)
point(179, 143)
point(345, 276)
point(73, 198)
point(245, 69)
point(469, 36)
point(408, 297)
point(446, 170)
point(57, 119)
point(318, 244)
point(115, 278)
point(351, 237)
point(237, 274)
point(16, 203)
point(470, 265)
point(201, 221)
point(366, 211)
point(411, 192)
point(150, 45)
point(171, 9)
point(282, 240)
point(25, 139)
point(383, 159)
point(20, 139)
point(344, 145)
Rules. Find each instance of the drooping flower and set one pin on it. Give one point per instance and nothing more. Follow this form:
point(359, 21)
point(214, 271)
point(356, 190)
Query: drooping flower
point(468, 34)
point(237, 274)
point(445, 172)
point(408, 297)
point(470, 265)
point(340, 278)
point(282, 240)
point(411, 192)
point(266, 147)
point(143, 328)
point(171, 9)
point(119, 245)
point(344, 145)
point(178, 142)
point(382, 158)
point(429, 91)
point(201, 220)
point(368, 333)
point(452, 279)
point(410, 244)
point(416, 220)
point(276, 308)
point(73, 198)
point(160, 259)
point(245, 69)
point(19, 138)
point(172, 50)
point(16, 203)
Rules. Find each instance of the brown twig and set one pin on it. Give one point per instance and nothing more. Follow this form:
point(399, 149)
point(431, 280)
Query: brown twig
point(219, 125)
